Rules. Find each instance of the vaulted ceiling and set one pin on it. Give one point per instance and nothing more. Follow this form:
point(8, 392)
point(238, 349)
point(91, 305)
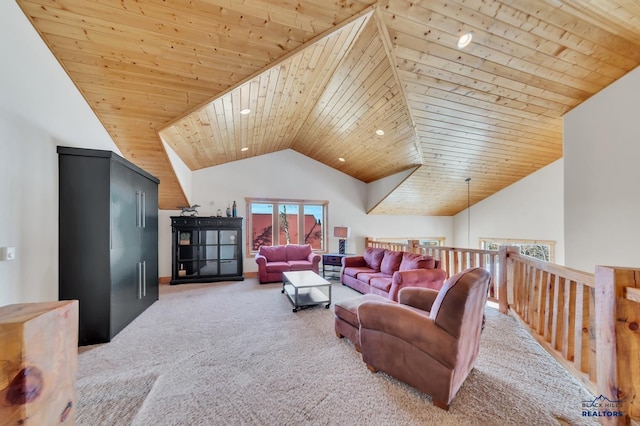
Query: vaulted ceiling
point(321, 77)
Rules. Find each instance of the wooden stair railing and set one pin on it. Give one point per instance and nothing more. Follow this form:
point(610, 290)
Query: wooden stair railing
point(557, 304)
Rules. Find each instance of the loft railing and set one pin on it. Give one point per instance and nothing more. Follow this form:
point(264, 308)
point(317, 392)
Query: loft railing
point(590, 323)
point(558, 306)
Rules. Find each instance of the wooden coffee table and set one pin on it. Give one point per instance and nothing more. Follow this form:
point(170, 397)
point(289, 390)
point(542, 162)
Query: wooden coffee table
point(306, 288)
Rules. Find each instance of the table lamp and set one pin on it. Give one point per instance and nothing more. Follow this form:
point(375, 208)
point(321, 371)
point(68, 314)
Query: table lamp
point(342, 232)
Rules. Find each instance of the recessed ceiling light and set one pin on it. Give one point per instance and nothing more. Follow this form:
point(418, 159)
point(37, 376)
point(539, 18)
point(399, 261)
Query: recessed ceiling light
point(245, 111)
point(464, 40)
point(341, 159)
point(244, 149)
point(380, 132)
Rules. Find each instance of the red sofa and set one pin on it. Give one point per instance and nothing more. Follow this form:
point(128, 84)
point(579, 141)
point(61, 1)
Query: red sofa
point(385, 272)
point(274, 260)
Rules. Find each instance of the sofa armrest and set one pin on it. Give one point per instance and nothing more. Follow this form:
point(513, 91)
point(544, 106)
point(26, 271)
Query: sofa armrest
point(420, 298)
point(314, 258)
point(353, 261)
point(425, 278)
point(411, 326)
point(261, 260)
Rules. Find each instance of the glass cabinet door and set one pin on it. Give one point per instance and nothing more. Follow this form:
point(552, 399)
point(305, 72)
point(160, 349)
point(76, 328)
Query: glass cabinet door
point(228, 236)
point(228, 252)
point(207, 252)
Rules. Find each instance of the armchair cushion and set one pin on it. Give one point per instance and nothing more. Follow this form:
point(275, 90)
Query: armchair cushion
point(421, 298)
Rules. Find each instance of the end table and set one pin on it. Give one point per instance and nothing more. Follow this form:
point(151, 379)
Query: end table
point(334, 260)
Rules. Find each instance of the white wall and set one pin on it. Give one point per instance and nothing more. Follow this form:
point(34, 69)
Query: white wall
point(531, 208)
point(602, 202)
point(40, 108)
point(183, 173)
point(290, 175)
point(378, 190)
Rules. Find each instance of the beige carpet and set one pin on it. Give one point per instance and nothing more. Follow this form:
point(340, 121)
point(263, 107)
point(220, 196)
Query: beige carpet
point(236, 354)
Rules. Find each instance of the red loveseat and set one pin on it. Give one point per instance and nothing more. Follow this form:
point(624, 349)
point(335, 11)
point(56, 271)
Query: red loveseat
point(385, 272)
point(274, 260)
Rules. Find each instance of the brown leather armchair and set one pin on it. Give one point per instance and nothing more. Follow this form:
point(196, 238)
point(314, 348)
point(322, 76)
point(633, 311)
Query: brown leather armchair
point(430, 339)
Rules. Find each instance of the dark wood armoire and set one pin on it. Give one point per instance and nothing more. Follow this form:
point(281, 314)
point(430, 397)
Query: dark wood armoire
point(108, 240)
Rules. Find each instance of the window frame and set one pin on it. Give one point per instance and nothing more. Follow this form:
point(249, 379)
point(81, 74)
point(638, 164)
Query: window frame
point(275, 220)
point(519, 242)
point(405, 240)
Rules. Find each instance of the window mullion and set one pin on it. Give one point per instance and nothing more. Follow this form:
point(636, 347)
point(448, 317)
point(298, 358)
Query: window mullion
point(275, 238)
point(301, 233)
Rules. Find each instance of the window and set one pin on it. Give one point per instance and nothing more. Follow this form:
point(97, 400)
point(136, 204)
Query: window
point(423, 241)
point(543, 250)
point(432, 241)
point(278, 222)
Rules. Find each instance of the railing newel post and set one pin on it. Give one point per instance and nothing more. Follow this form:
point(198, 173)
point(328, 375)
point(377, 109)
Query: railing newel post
point(617, 342)
point(505, 272)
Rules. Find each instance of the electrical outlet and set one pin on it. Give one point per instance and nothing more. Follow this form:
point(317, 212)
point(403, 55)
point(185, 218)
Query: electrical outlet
point(7, 253)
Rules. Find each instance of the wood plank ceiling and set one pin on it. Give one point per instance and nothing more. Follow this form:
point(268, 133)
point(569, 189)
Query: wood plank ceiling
point(320, 77)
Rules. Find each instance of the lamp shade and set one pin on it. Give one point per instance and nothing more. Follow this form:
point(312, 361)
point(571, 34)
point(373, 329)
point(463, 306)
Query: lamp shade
point(341, 232)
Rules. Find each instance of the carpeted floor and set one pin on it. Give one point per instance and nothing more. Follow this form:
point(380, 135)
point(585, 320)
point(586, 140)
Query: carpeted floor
point(235, 354)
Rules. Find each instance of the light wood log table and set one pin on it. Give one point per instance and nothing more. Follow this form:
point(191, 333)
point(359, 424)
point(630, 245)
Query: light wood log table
point(38, 363)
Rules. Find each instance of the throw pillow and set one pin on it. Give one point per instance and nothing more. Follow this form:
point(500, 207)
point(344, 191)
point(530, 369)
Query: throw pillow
point(416, 261)
point(273, 253)
point(373, 257)
point(298, 252)
point(391, 262)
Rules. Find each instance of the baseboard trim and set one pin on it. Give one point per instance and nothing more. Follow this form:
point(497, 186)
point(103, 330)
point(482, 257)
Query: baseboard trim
point(167, 280)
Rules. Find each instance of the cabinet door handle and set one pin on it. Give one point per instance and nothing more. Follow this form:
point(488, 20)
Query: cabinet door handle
point(144, 278)
point(139, 280)
point(137, 209)
point(143, 200)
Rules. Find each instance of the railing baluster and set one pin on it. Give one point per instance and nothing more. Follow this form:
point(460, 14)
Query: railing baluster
point(581, 335)
point(540, 301)
point(569, 321)
point(593, 361)
point(548, 306)
point(557, 310)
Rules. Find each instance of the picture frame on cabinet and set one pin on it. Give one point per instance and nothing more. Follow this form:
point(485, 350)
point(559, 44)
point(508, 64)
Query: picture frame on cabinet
point(185, 238)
